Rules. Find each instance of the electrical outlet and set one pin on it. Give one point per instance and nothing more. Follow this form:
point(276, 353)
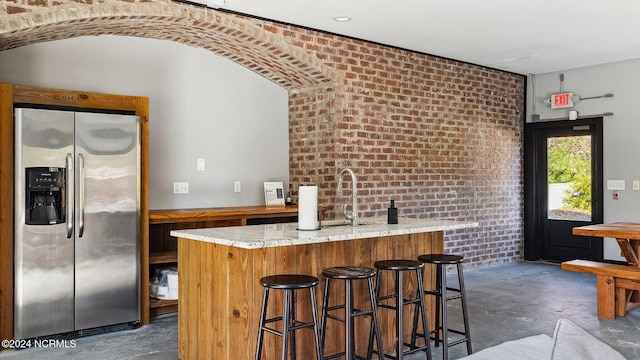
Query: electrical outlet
point(180, 187)
point(236, 186)
point(200, 164)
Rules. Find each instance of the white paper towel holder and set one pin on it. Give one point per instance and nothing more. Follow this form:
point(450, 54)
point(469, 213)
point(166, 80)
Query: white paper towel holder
point(308, 217)
point(319, 227)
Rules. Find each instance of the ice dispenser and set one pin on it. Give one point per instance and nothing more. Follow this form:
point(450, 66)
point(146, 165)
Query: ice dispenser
point(45, 196)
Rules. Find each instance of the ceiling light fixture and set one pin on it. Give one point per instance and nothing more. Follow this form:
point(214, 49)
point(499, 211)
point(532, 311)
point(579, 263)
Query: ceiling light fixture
point(342, 18)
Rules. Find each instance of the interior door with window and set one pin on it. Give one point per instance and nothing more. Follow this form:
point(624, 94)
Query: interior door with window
point(563, 189)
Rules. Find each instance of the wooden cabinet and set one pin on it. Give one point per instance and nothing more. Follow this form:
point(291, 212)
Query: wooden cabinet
point(163, 247)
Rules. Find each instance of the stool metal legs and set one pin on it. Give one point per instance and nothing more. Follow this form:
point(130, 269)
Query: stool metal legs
point(289, 324)
point(441, 331)
point(350, 313)
point(288, 314)
point(398, 307)
point(465, 310)
point(316, 328)
point(441, 301)
point(441, 307)
point(375, 322)
point(263, 315)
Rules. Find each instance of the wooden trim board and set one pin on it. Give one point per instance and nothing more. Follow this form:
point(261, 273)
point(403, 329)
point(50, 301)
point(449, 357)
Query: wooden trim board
point(6, 212)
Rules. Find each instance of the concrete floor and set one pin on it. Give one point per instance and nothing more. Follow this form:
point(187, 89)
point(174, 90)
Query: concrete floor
point(506, 302)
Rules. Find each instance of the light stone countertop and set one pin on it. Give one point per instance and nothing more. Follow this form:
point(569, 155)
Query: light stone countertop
point(286, 234)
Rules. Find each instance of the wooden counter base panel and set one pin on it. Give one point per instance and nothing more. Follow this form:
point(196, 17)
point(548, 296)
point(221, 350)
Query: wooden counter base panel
point(220, 293)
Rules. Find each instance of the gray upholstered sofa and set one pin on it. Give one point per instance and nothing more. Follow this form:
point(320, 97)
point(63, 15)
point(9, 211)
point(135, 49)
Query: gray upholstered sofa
point(569, 342)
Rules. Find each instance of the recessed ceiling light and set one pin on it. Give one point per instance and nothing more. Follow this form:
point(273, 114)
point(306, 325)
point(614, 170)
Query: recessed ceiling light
point(342, 18)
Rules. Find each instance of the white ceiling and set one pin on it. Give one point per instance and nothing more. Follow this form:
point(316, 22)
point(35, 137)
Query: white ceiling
point(520, 36)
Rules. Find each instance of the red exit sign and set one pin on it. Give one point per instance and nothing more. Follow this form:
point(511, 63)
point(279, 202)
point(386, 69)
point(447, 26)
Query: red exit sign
point(559, 101)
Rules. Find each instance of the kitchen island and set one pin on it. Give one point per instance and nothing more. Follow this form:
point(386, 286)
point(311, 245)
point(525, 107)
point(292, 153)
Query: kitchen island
point(220, 268)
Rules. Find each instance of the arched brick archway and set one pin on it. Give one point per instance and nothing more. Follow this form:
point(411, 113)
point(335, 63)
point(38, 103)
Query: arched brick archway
point(238, 38)
point(258, 45)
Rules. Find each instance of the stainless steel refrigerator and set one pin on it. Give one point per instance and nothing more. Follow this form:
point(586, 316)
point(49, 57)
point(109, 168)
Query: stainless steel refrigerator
point(77, 216)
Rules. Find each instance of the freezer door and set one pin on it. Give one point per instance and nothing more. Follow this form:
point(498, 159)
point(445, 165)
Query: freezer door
point(43, 254)
point(107, 220)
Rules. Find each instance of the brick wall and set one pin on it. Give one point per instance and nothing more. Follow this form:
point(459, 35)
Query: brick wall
point(442, 138)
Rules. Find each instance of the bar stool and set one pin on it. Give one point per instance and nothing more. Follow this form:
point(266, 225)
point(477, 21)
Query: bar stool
point(288, 283)
point(399, 267)
point(441, 296)
point(349, 274)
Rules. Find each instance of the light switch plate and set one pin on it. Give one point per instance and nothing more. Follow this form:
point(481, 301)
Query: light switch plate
point(636, 185)
point(615, 184)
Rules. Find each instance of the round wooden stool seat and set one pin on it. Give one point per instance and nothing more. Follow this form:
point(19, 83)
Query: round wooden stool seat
point(445, 259)
point(399, 265)
point(289, 281)
point(349, 272)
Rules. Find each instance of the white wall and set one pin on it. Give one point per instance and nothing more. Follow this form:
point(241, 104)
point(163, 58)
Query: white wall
point(621, 131)
point(201, 106)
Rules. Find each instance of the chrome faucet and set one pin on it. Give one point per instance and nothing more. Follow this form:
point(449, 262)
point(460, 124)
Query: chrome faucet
point(353, 216)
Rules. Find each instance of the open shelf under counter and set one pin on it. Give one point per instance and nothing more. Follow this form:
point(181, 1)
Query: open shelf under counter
point(163, 248)
point(159, 307)
point(164, 257)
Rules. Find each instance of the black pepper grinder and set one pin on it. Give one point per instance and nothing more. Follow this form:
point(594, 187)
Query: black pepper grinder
point(392, 213)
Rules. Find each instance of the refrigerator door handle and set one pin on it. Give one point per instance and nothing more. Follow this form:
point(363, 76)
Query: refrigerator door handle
point(80, 195)
point(69, 195)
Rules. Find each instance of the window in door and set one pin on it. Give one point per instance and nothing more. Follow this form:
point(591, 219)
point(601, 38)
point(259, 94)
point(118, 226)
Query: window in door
point(569, 178)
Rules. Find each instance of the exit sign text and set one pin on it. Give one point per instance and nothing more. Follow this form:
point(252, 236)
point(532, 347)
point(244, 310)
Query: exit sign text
point(564, 100)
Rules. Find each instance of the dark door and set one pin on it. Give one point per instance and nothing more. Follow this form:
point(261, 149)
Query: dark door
point(563, 189)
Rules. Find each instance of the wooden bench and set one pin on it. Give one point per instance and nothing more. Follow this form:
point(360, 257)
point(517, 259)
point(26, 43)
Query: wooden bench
point(615, 285)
